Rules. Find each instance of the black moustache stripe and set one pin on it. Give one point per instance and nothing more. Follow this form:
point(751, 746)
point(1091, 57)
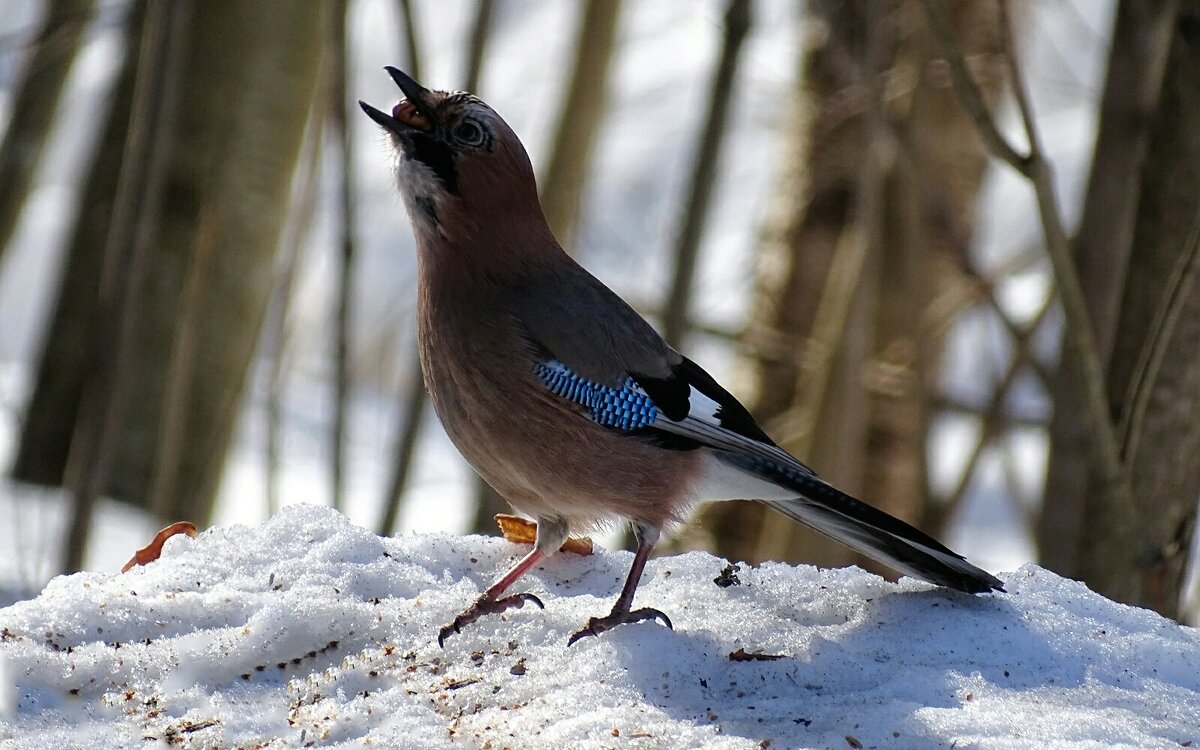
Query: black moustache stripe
point(438, 157)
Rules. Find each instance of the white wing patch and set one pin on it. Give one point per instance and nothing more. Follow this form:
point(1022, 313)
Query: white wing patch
point(703, 424)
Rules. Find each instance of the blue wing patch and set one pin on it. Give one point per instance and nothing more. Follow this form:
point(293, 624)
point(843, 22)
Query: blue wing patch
point(625, 408)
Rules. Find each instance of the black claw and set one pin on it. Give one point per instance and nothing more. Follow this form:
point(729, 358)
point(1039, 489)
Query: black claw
point(656, 615)
point(446, 631)
point(598, 625)
point(483, 607)
point(520, 599)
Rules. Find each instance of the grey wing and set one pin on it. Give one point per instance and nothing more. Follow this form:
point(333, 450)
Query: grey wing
point(584, 324)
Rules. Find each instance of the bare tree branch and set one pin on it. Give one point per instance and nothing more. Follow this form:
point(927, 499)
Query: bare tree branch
point(704, 171)
point(346, 260)
point(1162, 330)
point(481, 27)
point(34, 100)
point(1081, 350)
point(411, 412)
point(968, 91)
point(1080, 334)
point(292, 241)
point(412, 39)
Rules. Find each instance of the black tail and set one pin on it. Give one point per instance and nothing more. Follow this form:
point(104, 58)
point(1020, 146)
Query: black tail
point(868, 530)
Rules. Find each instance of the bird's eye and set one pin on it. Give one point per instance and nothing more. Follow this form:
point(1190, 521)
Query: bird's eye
point(469, 133)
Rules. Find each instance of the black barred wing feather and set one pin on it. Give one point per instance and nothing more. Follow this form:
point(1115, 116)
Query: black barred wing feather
point(687, 409)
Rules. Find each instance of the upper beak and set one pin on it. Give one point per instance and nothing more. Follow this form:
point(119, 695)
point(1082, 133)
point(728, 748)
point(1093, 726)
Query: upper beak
point(411, 113)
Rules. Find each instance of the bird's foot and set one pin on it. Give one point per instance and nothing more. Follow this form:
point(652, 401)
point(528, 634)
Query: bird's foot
point(598, 625)
point(485, 606)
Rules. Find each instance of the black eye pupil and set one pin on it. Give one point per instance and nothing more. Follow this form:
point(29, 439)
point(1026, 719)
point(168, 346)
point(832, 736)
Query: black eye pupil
point(469, 132)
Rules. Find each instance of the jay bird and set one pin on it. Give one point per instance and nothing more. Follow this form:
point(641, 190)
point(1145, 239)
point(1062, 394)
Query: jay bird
point(564, 399)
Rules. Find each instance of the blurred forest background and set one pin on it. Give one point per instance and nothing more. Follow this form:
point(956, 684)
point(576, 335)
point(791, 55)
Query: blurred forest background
point(945, 250)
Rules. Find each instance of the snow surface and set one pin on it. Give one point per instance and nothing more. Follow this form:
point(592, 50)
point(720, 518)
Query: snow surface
point(312, 632)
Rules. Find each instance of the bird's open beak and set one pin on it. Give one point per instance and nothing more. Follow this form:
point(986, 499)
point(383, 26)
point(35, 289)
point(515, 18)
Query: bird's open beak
point(411, 113)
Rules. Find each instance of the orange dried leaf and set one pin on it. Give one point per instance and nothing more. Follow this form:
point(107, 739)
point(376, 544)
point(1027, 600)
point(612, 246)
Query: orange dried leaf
point(580, 545)
point(523, 531)
point(151, 551)
point(516, 529)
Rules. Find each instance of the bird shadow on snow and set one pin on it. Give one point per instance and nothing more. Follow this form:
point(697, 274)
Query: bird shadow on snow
point(890, 659)
point(792, 652)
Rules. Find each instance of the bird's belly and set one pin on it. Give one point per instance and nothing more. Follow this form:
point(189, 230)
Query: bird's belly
point(549, 461)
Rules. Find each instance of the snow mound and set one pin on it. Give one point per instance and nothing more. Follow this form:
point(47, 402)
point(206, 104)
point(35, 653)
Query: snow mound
point(312, 632)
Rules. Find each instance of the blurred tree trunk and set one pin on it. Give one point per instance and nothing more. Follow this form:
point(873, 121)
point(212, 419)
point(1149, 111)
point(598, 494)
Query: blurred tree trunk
point(1154, 374)
point(228, 183)
point(278, 328)
point(930, 195)
point(583, 108)
point(63, 366)
point(105, 391)
point(816, 200)
point(844, 356)
point(166, 388)
point(1141, 37)
point(34, 99)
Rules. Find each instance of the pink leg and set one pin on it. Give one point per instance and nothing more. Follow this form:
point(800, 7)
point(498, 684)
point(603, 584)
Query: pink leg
point(489, 602)
point(521, 568)
point(621, 614)
point(551, 533)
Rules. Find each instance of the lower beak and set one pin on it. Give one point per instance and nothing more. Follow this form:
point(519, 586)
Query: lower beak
point(383, 118)
point(412, 113)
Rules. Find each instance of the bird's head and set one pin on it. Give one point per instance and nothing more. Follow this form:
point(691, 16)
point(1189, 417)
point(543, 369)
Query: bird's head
point(459, 166)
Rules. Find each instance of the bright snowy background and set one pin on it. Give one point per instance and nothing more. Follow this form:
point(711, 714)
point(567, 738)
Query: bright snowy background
point(864, 661)
point(311, 632)
point(663, 60)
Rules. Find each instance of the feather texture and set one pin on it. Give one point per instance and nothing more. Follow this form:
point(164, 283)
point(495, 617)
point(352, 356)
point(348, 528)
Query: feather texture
point(749, 464)
point(558, 393)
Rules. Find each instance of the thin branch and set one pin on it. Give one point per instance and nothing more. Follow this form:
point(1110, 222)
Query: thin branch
point(1080, 337)
point(954, 405)
point(704, 172)
point(413, 397)
point(412, 41)
point(294, 237)
point(968, 91)
point(1153, 352)
point(347, 258)
point(411, 413)
point(993, 418)
point(480, 33)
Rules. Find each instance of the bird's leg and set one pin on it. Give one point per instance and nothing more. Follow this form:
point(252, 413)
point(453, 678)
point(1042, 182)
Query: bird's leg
point(551, 533)
point(646, 536)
